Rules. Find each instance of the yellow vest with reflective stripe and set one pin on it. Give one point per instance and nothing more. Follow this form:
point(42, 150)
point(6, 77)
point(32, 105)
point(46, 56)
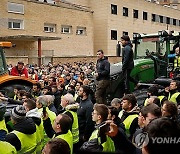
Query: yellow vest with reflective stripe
point(120, 114)
point(68, 138)
point(7, 148)
point(146, 102)
point(75, 127)
point(127, 123)
point(108, 146)
point(173, 97)
point(161, 98)
point(3, 125)
point(28, 142)
point(177, 62)
point(51, 114)
point(52, 117)
point(15, 97)
point(39, 137)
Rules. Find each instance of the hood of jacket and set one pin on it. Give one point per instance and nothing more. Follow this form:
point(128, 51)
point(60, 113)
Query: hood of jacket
point(72, 107)
point(33, 113)
point(26, 126)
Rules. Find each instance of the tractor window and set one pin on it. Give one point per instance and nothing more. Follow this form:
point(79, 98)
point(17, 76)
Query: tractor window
point(2, 68)
point(145, 45)
point(152, 45)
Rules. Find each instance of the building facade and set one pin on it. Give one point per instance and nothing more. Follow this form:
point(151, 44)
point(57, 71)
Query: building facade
point(79, 27)
point(56, 30)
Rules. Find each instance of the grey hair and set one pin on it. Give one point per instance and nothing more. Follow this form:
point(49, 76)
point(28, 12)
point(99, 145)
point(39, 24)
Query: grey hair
point(69, 97)
point(116, 101)
point(50, 98)
point(42, 100)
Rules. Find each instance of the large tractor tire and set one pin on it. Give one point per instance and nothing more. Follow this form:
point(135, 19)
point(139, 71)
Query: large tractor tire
point(7, 88)
point(141, 96)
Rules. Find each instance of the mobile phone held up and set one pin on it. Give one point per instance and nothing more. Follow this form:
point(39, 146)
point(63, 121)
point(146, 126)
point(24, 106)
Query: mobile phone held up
point(44, 111)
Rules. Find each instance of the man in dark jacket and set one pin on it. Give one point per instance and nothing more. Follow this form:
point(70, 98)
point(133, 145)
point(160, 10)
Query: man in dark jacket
point(127, 62)
point(24, 130)
point(84, 113)
point(102, 76)
point(57, 96)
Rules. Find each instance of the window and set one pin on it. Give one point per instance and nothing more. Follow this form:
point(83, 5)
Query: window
point(125, 33)
point(167, 20)
point(135, 13)
point(174, 22)
point(113, 9)
point(15, 24)
point(49, 28)
point(125, 11)
point(15, 8)
point(145, 15)
point(66, 29)
point(81, 31)
point(113, 35)
point(153, 17)
point(161, 19)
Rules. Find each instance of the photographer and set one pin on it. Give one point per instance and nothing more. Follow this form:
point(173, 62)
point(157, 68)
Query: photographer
point(99, 116)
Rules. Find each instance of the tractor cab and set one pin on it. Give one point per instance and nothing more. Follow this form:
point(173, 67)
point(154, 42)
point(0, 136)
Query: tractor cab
point(158, 47)
point(152, 63)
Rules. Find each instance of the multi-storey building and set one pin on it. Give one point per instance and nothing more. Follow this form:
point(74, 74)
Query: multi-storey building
point(79, 27)
point(53, 30)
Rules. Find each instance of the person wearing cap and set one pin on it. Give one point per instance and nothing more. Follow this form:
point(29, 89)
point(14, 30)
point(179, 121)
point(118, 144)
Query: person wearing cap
point(127, 62)
point(23, 137)
point(19, 70)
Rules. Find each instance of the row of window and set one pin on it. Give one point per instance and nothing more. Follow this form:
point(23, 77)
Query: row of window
point(49, 28)
point(114, 34)
point(154, 18)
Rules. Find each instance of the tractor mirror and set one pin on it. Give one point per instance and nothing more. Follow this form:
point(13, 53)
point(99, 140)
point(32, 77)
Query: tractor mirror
point(118, 50)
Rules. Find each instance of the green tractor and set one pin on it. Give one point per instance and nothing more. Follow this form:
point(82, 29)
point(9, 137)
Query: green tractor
point(152, 65)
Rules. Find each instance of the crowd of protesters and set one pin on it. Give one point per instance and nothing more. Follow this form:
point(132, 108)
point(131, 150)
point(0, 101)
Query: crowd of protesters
point(60, 114)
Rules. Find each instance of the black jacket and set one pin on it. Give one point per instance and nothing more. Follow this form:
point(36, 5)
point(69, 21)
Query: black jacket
point(12, 101)
point(86, 125)
point(57, 99)
point(103, 69)
point(123, 144)
point(26, 126)
point(127, 57)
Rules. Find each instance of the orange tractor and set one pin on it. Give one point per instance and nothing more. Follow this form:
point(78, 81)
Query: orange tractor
point(8, 82)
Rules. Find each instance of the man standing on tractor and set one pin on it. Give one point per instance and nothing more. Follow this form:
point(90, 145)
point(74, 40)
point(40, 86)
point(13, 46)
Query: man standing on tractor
point(19, 70)
point(102, 77)
point(127, 62)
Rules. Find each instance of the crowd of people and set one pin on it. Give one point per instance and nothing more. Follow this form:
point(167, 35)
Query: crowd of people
point(64, 112)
